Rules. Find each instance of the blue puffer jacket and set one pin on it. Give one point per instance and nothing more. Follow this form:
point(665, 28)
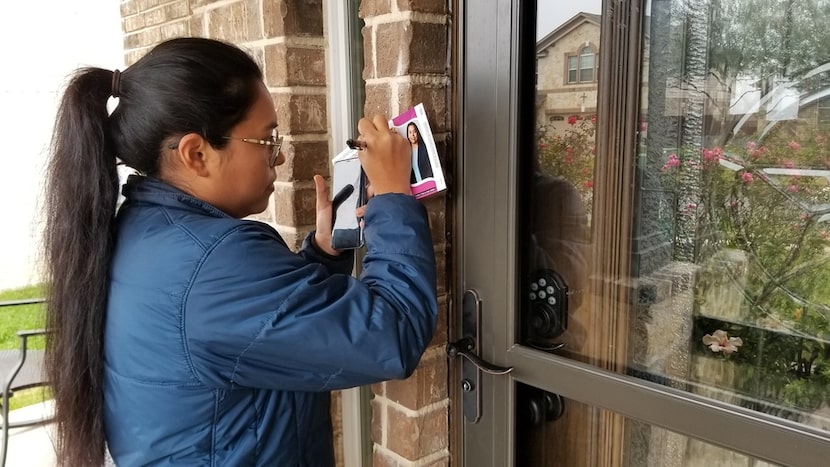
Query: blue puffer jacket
point(221, 344)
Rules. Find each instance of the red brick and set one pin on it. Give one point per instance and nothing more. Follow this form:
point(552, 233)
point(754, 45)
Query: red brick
point(378, 409)
point(377, 100)
point(426, 40)
point(423, 6)
point(391, 48)
point(293, 18)
point(236, 22)
point(303, 160)
point(414, 437)
point(374, 7)
point(294, 66)
point(440, 337)
point(427, 385)
point(435, 99)
point(295, 207)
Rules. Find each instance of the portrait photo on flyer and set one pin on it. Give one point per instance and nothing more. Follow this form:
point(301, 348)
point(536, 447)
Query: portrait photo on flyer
point(427, 178)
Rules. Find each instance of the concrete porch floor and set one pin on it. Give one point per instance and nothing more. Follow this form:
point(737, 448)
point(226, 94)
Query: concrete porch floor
point(31, 446)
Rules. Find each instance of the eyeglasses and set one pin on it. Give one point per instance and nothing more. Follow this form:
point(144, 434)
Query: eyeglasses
point(274, 142)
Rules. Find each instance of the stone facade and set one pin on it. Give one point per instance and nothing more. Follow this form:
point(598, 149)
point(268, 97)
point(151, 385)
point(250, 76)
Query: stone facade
point(557, 98)
point(406, 48)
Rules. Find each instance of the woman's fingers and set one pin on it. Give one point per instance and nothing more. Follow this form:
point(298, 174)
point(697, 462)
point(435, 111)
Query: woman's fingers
point(322, 237)
point(386, 158)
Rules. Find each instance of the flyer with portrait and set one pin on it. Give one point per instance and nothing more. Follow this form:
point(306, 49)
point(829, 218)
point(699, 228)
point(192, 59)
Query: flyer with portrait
point(427, 178)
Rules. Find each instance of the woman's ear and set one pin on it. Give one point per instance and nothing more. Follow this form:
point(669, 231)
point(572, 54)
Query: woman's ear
point(193, 152)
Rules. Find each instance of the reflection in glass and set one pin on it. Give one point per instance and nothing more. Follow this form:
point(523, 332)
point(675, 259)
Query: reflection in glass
point(730, 253)
point(732, 242)
point(561, 173)
point(543, 442)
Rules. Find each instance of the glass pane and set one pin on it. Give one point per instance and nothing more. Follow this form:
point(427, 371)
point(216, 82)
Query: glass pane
point(561, 175)
point(543, 441)
point(729, 292)
point(586, 75)
point(573, 63)
point(732, 221)
point(586, 65)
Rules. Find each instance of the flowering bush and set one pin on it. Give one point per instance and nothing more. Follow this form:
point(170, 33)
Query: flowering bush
point(570, 154)
point(769, 198)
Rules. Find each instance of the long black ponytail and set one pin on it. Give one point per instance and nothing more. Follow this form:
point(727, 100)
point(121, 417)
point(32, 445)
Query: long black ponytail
point(181, 86)
point(82, 189)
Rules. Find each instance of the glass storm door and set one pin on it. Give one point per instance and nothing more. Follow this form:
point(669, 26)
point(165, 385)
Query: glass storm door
point(644, 233)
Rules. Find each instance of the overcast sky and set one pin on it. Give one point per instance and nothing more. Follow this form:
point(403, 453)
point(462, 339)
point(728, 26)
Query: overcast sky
point(40, 44)
point(552, 13)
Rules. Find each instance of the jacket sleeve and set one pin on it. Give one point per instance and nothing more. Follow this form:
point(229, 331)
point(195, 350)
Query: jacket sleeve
point(258, 315)
point(344, 263)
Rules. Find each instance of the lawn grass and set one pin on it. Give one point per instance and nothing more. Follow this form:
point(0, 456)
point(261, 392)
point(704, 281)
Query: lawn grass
point(17, 318)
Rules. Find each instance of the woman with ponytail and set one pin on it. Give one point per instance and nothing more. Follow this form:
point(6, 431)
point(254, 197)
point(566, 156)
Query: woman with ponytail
point(181, 333)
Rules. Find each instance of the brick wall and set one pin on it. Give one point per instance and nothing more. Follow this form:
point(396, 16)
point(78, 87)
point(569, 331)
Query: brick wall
point(405, 45)
point(286, 37)
point(406, 56)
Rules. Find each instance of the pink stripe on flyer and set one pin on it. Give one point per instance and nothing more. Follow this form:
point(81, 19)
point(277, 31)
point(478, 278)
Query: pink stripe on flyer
point(423, 189)
point(404, 117)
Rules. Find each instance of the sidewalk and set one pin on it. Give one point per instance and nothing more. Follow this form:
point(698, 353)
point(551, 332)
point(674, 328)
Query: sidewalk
point(31, 446)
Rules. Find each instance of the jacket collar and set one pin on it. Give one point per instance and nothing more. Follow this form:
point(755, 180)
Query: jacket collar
point(145, 189)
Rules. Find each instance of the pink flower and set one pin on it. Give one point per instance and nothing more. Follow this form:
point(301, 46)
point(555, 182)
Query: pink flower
point(792, 188)
point(747, 177)
point(719, 341)
point(572, 120)
point(542, 146)
point(594, 119)
point(794, 145)
point(588, 184)
point(750, 145)
point(672, 161)
point(711, 156)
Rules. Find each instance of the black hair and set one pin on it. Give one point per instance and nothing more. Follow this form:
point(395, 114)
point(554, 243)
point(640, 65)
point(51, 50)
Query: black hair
point(184, 85)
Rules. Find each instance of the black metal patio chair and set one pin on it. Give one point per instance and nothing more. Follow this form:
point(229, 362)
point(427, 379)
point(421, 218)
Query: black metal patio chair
point(21, 368)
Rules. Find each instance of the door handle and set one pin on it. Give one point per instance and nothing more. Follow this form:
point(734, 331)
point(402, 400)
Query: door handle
point(465, 346)
point(471, 364)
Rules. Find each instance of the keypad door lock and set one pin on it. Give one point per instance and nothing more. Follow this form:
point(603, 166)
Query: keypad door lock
point(546, 312)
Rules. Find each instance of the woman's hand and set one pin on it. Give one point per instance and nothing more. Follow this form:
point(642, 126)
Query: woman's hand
point(387, 157)
point(322, 237)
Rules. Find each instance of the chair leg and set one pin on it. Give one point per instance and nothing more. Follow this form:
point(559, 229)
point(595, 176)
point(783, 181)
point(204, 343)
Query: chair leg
point(4, 443)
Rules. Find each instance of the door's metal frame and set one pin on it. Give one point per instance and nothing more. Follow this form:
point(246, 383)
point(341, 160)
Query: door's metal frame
point(345, 64)
point(487, 142)
point(484, 72)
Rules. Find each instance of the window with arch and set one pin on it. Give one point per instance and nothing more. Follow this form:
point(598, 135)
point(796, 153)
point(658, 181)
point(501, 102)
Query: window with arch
point(582, 66)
